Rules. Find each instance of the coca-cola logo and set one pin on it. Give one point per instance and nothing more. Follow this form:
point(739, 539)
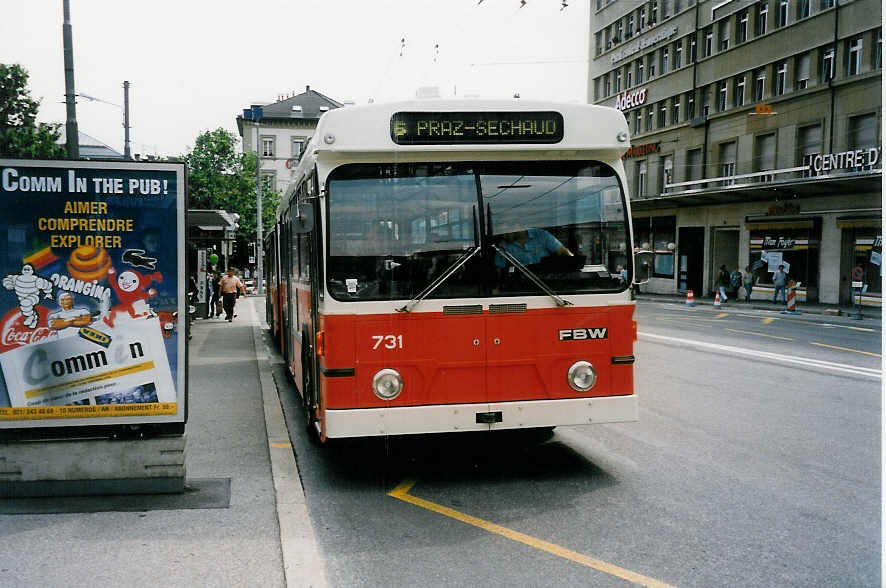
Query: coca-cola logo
point(630, 99)
point(14, 333)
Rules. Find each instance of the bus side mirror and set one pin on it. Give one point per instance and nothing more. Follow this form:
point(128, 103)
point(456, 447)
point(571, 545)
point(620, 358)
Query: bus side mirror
point(304, 222)
point(642, 266)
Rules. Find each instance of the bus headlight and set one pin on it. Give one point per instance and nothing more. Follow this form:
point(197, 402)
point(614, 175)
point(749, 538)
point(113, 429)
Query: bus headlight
point(387, 384)
point(581, 376)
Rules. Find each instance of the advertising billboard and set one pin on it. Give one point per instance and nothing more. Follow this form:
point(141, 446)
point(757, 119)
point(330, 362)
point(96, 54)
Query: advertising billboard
point(92, 289)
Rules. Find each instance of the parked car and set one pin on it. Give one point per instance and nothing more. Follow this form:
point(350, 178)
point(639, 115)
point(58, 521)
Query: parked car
point(250, 287)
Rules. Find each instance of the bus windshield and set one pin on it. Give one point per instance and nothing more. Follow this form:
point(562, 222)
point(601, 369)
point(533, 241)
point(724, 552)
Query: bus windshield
point(395, 228)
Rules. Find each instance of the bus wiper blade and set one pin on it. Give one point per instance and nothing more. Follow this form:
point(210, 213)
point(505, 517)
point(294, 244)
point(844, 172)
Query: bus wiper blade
point(529, 274)
point(463, 259)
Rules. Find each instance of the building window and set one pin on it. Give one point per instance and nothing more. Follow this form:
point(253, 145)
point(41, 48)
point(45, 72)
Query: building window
point(741, 34)
point(618, 28)
point(629, 77)
point(693, 165)
point(854, 55)
point(662, 114)
point(641, 18)
point(640, 71)
point(596, 89)
point(808, 146)
point(653, 13)
point(678, 6)
point(607, 85)
point(722, 95)
point(665, 54)
point(675, 110)
point(598, 42)
point(630, 29)
point(781, 76)
point(802, 71)
point(667, 171)
point(267, 146)
point(607, 38)
point(665, 9)
point(638, 121)
point(617, 81)
point(825, 4)
point(762, 15)
point(764, 155)
point(706, 101)
point(878, 50)
point(297, 145)
point(678, 55)
point(827, 64)
point(650, 115)
point(690, 105)
point(708, 42)
point(641, 179)
point(693, 52)
point(863, 134)
point(727, 163)
point(803, 8)
point(738, 96)
point(759, 84)
point(650, 65)
point(723, 34)
point(269, 182)
point(781, 17)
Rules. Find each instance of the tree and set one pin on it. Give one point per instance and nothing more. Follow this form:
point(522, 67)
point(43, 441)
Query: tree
point(221, 178)
point(20, 135)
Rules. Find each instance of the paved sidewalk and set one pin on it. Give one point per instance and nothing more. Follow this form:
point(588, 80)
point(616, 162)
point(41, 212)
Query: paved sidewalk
point(812, 311)
point(235, 431)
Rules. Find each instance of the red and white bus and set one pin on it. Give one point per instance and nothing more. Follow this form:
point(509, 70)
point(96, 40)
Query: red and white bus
point(457, 265)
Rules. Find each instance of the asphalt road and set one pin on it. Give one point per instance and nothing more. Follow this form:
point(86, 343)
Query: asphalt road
point(756, 462)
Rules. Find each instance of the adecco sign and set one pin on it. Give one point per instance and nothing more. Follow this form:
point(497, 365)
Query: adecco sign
point(630, 99)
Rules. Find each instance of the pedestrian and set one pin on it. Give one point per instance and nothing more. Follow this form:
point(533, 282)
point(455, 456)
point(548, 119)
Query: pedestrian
point(735, 283)
point(747, 277)
point(230, 285)
point(216, 287)
point(781, 281)
point(723, 283)
point(210, 293)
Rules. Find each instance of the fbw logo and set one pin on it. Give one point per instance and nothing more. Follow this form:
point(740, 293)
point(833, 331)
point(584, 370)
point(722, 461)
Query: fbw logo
point(582, 334)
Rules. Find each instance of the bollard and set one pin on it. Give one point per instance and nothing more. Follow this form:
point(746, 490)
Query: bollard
point(690, 298)
point(717, 299)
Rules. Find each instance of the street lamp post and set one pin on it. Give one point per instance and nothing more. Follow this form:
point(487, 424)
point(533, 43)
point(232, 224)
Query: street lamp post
point(258, 217)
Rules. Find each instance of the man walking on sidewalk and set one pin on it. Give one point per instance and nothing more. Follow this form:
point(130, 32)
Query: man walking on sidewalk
point(229, 285)
point(781, 281)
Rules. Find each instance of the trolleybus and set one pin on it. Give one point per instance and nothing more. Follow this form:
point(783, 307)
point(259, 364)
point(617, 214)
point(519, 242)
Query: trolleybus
point(457, 265)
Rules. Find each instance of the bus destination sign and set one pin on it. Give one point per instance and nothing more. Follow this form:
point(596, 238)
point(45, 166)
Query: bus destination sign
point(456, 128)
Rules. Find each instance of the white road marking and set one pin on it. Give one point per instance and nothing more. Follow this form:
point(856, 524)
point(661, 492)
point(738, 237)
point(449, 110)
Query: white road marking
point(790, 359)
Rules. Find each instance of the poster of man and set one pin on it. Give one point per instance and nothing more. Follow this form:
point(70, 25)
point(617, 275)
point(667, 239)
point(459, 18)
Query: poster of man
point(94, 257)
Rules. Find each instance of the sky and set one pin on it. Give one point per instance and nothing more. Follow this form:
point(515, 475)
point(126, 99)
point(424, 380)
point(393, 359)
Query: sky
point(193, 65)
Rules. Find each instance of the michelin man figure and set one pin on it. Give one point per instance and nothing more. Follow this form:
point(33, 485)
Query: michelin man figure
point(27, 286)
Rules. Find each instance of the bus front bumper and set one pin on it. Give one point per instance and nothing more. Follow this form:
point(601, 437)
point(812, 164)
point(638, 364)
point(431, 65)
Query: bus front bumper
point(450, 418)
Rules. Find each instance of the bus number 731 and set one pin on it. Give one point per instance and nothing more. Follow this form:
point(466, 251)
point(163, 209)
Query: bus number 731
point(390, 341)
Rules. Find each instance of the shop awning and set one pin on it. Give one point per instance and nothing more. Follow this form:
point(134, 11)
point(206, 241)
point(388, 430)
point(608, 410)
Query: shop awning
point(774, 224)
point(859, 222)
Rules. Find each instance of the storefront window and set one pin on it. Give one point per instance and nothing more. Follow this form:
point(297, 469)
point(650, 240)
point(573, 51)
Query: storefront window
point(792, 243)
point(657, 234)
point(867, 254)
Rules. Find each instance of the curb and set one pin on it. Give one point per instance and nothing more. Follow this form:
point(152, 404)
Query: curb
point(818, 312)
point(302, 565)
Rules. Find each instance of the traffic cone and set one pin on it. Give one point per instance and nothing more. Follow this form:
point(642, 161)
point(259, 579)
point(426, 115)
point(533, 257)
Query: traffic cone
point(791, 302)
point(717, 299)
point(690, 298)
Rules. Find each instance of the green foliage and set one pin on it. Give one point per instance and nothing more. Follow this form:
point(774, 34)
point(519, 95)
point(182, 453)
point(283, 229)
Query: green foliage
point(221, 178)
point(20, 135)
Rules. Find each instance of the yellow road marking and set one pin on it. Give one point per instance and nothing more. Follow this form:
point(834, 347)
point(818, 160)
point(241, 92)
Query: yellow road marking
point(401, 492)
point(282, 445)
point(845, 349)
point(760, 334)
point(766, 321)
point(722, 315)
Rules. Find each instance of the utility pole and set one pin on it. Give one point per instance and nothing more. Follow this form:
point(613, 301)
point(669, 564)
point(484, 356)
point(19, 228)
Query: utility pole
point(127, 150)
point(258, 218)
point(72, 139)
